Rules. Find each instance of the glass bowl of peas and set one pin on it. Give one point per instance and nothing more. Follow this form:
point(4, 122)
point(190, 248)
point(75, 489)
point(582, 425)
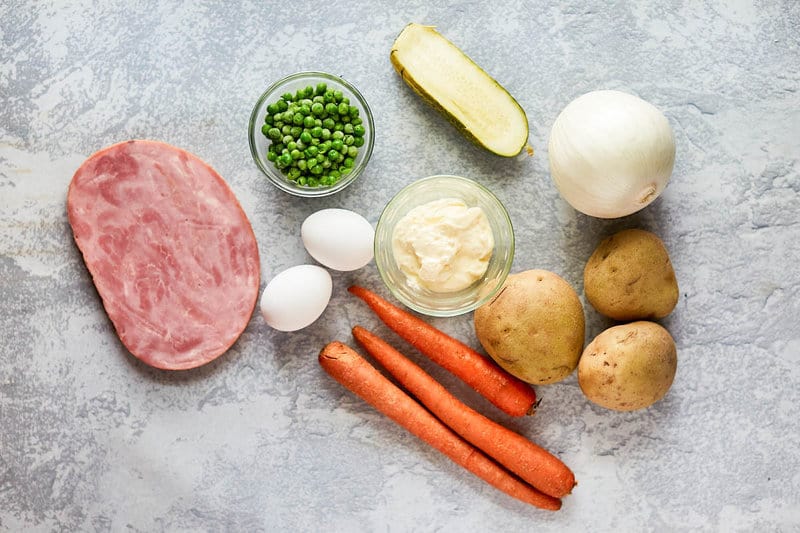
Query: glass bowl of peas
point(311, 134)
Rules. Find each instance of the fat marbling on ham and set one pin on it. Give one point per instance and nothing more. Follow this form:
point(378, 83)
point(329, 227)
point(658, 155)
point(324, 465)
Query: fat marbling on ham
point(170, 250)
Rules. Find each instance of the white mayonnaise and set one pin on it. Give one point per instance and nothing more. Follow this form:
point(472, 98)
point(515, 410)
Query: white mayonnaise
point(443, 245)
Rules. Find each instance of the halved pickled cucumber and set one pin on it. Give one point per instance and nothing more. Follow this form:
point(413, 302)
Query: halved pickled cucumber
point(467, 96)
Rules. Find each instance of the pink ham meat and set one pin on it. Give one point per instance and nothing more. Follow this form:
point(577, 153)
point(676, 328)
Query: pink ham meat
point(170, 251)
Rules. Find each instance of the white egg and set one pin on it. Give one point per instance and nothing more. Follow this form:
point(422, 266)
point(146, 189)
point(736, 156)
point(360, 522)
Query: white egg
point(338, 238)
point(296, 297)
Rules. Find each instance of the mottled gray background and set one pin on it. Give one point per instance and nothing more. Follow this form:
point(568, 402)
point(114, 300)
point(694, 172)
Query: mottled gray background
point(262, 439)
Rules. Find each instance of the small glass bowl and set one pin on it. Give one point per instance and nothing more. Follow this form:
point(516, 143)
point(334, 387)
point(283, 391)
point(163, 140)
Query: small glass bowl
point(438, 303)
point(259, 143)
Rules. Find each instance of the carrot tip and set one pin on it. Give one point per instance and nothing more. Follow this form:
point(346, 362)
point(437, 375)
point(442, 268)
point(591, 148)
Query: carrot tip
point(532, 410)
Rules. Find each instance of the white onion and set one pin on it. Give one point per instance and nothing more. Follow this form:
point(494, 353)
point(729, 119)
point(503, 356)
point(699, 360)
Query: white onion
point(611, 153)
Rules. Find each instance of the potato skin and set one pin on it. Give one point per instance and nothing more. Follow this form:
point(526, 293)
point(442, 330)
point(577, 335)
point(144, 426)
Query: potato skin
point(534, 327)
point(628, 367)
point(630, 277)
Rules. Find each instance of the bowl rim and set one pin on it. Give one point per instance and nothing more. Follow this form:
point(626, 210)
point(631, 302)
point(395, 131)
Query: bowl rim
point(485, 297)
point(283, 184)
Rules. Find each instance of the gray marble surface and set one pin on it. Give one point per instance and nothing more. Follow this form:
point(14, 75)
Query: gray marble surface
point(262, 439)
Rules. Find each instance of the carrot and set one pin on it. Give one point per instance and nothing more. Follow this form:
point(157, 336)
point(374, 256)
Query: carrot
point(510, 394)
point(360, 377)
point(530, 462)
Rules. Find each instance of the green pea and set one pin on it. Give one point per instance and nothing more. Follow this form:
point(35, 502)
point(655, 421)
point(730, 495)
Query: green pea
point(311, 151)
point(311, 162)
point(330, 108)
point(291, 145)
point(346, 100)
point(348, 140)
point(300, 145)
point(333, 154)
point(358, 130)
point(348, 129)
point(346, 171)
point(272, 109)
point(265, 129)
point(287, 138)
point(334, 174)
point(295, 154)
point(284, 160)
point(337, 95)
point(317, 108)
point(356, 121)
point(302, 164)
point(278, 147)
point(326, 163)
point(308, 121)
point(322, 87)
point(286, 129)
point(272, 156)
point(348, 162)
point(326, 133)
point(318, 122)
point(353, 111)
point(337, 144)
point(277, 117)
point(282, 105)
point(297, 119)
point(302, 181)
point(274, 134)
point(316, 170)
point(295, 131)
point(358, 141)
point(319, 99)
point(294, 173)
point(313, 182)
point(337, 135)
point(315, 141)
point(269, 119)
point(343, 109)
point(316, 132)
point(328, 123)
point(352, 151)
point(305, 137)
point(324, 146)
point(287, 97)
point(325, 181)
point(328, 96)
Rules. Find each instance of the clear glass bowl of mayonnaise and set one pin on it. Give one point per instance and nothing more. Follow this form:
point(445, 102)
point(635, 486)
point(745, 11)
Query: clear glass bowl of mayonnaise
point(444, 245)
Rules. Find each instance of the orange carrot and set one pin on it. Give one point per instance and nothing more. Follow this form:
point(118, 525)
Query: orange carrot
point(357, 375)
point(510, 394)
point(530, 462)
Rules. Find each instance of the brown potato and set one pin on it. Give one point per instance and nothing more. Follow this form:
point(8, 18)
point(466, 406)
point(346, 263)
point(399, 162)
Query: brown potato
point(628, 367)
point(630, 277)
point(533, 327)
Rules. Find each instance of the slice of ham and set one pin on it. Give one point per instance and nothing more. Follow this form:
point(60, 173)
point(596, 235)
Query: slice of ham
point(170, 251)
